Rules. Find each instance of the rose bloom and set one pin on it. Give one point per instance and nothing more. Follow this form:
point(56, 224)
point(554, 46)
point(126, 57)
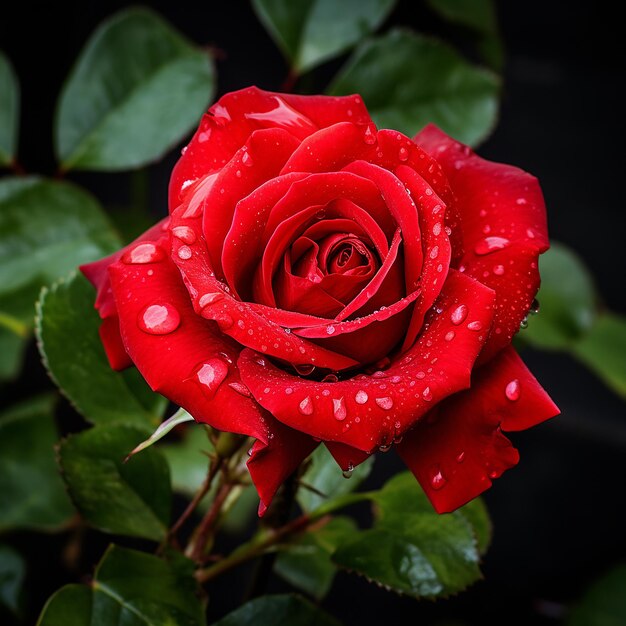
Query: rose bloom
point(322, 281)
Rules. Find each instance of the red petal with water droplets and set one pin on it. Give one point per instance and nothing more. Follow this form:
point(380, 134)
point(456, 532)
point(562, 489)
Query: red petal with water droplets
point(456, 454)
point(503, 216)
point(346, 457)
point(380, 407)
point(270, 464)
point(171, 363)
point(109, 332)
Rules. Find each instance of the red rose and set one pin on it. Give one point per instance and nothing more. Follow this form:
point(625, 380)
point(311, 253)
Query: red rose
point(322, 280)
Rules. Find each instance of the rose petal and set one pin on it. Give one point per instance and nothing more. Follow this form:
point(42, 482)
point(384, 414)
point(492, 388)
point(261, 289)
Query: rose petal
point(381, 406)
point(456, 455)
point(346, 457)
point(114, 349)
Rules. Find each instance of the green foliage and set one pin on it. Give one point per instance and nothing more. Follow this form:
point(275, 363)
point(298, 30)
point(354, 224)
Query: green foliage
point(132, 498)
point(137, 89)
point(310, 32)
point(31, 491)
point(130, 588)
point(67, 330)
point(9, 111)
point(12, 573)
point(278, 610)
point(408, 80)
point(604, 603)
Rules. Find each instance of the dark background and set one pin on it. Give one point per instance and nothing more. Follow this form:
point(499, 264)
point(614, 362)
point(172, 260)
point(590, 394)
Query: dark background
point(558, 515)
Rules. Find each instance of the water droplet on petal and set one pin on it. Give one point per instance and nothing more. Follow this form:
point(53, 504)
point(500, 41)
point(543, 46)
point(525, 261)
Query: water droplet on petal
point(305, 369)
point(490, 244)
point(184, 233)
point(385, 403)
point(247, 160)
point(475, 326)
point(434, 252)
point(184, 253)
point(211, 375)
point(330, 329)
point(347, 473)
point(437, 480)
point(458, 315)
point(524, 323)
point(530, 233)
point(513, 390)
point(369, 136)
point(437, 229)
point(534, 307)
point(159, 319)
point(143, 253)
point(427, 395)
point(240, 388)
point(306, 406)
point(403, 154)
point(498, 270)
point(339, 409)
point(460, 457)
point(288, 391)
point(384, 447)
point(361, 397)
point(209, 298)
point(224, 321)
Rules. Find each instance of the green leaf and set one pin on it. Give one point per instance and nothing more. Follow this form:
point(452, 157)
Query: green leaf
point(180, 417)
point(67, 330)
point(479, 16)
point(604, 603)
point(32, 494)
point(12, 572)
point(137, 89)
point(131, 498)
point(306, 563)
point(325, 477)
point(567, 298)
point(408, 80)
point(130, 588)
point(278, 610)
point(476, 514)
point(310, 32)
point(46, 229)
point(603, 350)
point(12, 348)
point(9, 111)
point(411, 549)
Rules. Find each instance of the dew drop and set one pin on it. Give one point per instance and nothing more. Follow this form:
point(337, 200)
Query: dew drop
point(211, 375)
point(434, 252)
point(475, 326)
point(385, 403)
point(159, 319)
point(369, 136)
point(224, 321)
point(498, 270)
point(458, 315)
point(524, 323)
point(347, 473)
point(209, 298)
point(530, 233)
point(361, 397)
point(288, 391)
point(395, 379)
point(449, 335)
point(143, 253)
point(240, 388)
point(490, 244)
point(339, 409)
point(330, 329)
point(420, 375)
point(437, 229)
point(306, 406)
point(384, 447)
point(247, 160)
point(184, 253)
point(184, 233)
point(427, 395)
point(512, 390)
point(460, 457)
point(403, 154)
point(437, 480)
point(305, 369)
point(534, 307)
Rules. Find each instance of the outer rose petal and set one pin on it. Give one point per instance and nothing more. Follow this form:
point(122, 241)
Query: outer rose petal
point(173, 363)
point(369, 411)
point(456, 454)
point(503, 221)
point(346, 457)
point(109, 332)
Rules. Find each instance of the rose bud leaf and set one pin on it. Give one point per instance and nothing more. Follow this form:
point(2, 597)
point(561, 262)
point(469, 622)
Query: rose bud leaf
point(131, 498)
point(137, 587)
point(65, 317)
point(137, 89)
point(313, 32)
point(438, 86)
point(278, 609)
point(9, 111)
point(32, 494)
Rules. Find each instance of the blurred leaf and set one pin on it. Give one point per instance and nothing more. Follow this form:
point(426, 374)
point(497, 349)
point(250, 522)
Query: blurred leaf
point(476, 514)
point(325, 476)
point(12, 348)
point(603, 350)
point(238, 517)
point(306, 563)
point(408, 80)
point(130, 588)
point(32, 494)
point(411, 549)
point(9, 111)
point(67, 330)
point(604, 603)
point(46, 229)
point(136, 90)
point(131, 498)
point(12, 572)
point(567, 298)
point(278, 610)
point(480, 16)
point(310, 32)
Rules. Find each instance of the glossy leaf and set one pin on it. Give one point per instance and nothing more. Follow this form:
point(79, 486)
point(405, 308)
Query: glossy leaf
point(306, 563)
point(180, 417)
point(130, 588)
point(323, 481)
point(137, 89)
point(604, 603)
point(310, 32)
point(567, 297)
point(67, 330)
point(12, 348)
point(479, 16)
point(9, 111)
point(411, 549)
point(131, 498)
point(46, 229)
point(603, 350)
point(408, 80)
point(278, 610)
point(12, 573)
point(32, 494)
